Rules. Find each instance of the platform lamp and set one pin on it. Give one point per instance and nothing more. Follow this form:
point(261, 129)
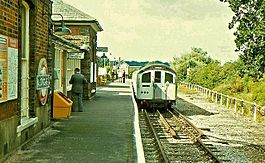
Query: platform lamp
point(62, 30)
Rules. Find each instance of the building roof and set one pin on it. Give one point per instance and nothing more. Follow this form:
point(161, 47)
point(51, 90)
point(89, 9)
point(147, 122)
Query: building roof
point(140, 64)
point(135, 63)
point(72, 14)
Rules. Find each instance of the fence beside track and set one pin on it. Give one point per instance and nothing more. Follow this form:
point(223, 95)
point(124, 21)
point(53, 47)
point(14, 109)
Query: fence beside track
point(238, 105)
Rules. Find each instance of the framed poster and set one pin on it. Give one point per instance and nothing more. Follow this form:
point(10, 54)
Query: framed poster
point(8, 68)
point(3, 67)
point(12, 83)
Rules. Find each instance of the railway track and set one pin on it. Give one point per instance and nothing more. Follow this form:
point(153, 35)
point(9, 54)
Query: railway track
point(170, 137)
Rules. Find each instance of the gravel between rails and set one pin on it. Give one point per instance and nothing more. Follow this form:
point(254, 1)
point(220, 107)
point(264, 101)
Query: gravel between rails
point(246, 138)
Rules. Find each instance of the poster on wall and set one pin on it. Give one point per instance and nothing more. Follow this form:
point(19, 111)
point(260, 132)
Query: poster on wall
point(8, 68)
point(12, 68)
point(3, 67)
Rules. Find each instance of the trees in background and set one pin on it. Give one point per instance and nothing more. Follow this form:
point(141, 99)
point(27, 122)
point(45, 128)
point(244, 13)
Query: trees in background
point(200, 69)
point(249, 21)
point(184, 64)
point(243, 78)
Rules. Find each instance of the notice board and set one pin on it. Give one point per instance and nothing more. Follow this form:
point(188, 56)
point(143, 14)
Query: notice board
point(8, 68)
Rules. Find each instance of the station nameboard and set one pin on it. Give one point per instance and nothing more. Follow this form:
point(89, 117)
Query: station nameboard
point(43, 81)
point(102, 49)
point(75, 55)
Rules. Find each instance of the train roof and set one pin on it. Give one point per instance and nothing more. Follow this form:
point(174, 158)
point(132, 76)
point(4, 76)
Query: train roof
point(156, 67)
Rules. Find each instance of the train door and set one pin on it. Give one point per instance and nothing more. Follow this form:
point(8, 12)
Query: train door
point(158, 85)
point(146, 89)
point(170, 86)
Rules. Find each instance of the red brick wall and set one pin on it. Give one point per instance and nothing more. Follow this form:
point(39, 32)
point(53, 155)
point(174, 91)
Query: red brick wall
point(39, 49)
point(8, 27)
point(9, 18)
point(39, 27)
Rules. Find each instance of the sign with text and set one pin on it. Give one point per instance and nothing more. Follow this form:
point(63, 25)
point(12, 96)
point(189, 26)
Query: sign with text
point(75, 55)
point(42, 81)
point(102, 49)
point(8, 68)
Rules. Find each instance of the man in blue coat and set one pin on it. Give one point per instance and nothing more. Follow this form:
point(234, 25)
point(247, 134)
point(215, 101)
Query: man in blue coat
point(77, 80)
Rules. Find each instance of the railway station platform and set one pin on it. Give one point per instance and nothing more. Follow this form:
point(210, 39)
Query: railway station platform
point(104, 132)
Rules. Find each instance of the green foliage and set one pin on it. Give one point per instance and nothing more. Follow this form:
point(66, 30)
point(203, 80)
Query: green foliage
point(259, 92)
point(196, 58)
point(212, 75)
point(249, 20)
point(206, 76)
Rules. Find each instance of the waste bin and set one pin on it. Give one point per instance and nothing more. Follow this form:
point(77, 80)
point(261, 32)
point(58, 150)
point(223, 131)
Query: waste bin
point(61, 105)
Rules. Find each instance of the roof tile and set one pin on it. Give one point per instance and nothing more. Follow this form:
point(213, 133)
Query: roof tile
point(69, 12)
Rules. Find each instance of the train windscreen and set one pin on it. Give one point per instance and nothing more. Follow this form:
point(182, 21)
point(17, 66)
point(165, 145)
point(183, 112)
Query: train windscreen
point(169, 78)
point(146, 78)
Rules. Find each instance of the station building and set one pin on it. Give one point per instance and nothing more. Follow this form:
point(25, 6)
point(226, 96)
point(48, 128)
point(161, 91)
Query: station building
point(36, 60)
point(84, 34)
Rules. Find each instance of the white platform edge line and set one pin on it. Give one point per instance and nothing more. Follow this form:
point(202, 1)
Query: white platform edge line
point(137, 132)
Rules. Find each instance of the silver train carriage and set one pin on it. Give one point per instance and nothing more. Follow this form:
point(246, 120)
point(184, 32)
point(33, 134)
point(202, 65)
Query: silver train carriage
point(155, 86)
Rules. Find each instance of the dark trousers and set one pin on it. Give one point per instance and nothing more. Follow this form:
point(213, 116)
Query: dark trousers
point(77, 102)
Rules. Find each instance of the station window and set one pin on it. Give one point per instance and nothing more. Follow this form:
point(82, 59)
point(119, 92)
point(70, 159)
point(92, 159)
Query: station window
point(169, 78)
point(24, 60)
point(146, 78)
point(158, 77)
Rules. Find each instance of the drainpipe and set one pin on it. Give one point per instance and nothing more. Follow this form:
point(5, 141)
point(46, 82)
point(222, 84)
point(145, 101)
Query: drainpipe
point(52, 73)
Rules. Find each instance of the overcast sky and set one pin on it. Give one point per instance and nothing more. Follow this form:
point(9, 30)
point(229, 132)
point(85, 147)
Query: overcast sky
point(148, 30)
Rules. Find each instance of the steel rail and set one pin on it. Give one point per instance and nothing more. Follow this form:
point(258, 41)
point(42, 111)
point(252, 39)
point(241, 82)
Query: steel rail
point(167, 125)
point(197, 138)
point(199, 132)
point(166, 160)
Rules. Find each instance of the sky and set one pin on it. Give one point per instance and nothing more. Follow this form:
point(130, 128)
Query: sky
point(149, 30)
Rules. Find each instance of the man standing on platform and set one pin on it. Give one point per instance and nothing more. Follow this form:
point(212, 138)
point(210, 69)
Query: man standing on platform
point(123, 76)
point(77, 80)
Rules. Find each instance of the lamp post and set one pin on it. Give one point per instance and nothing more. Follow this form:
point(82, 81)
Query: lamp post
point(63, 30)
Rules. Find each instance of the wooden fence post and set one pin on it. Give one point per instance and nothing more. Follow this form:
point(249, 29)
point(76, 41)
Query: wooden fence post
point(227, 102)
point(212, 96)
point(221, 101)
point(235, 106)
point(242, 107)
point(255, 112)
point(216, 97)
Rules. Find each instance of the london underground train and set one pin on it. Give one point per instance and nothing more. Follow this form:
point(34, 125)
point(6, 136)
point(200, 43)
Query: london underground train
point(155, 86)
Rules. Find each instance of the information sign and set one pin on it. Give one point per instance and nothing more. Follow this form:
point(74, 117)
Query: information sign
point(75, 55)
point(102, 49)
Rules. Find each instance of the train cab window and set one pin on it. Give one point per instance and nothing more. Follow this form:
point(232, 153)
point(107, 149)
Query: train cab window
point(158, 77)
point(146, 78)
point(169, 78)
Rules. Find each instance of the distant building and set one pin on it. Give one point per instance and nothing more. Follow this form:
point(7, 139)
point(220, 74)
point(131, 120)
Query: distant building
point(130, 66)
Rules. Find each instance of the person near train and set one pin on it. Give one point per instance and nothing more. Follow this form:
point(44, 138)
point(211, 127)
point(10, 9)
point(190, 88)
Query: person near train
point(123, 76)
point(77, 80)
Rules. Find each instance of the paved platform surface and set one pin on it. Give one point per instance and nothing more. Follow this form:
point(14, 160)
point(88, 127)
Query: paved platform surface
point(102, 133)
